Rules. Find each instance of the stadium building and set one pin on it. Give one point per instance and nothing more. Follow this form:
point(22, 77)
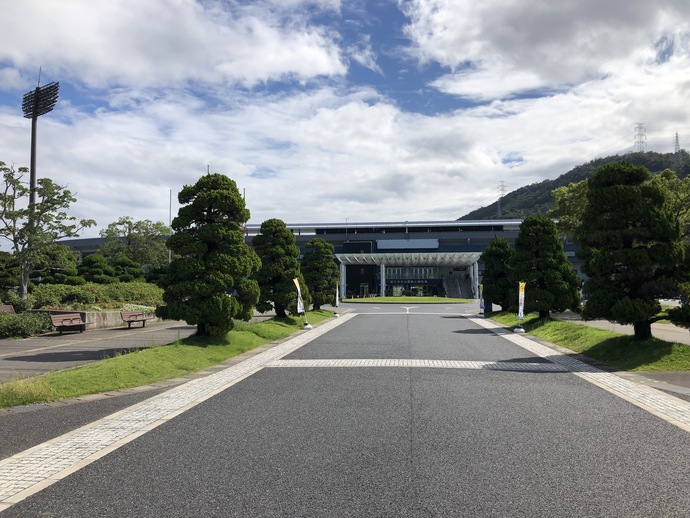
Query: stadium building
point(429, 258)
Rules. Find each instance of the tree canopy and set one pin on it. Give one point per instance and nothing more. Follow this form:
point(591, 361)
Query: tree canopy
point(540, 261)
point(498, 280)
point(632, 247)
point(279, 253)
point(30, 229)
point(208, 283)
point(140, 241)
point(320, 272)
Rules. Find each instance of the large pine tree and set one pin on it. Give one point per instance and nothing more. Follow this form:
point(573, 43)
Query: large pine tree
point(320, 272)
point(632, 247)
point(497, 279)
point(279, 253)
point(540, 261)
point(208, 283)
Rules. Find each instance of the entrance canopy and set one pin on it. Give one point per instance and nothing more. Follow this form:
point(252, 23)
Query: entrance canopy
point(412, 259)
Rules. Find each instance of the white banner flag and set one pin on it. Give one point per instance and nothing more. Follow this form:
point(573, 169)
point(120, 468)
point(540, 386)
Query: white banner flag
point(300, 303)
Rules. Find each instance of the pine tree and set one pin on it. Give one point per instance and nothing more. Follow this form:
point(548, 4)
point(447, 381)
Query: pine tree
point(208, 282)
point(320, 272)
point(279, 253)
point(632, 247)
point(540, 261)
point(497, 279)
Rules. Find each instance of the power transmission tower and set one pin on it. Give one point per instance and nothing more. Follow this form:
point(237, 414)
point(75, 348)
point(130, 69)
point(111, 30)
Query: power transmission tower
point(678, 158)
point(640, 137)
point(502, 193)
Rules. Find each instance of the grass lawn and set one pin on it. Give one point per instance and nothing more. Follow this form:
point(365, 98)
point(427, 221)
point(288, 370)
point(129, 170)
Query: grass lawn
point(410, 300)
point(622, 351)
point(147, 366)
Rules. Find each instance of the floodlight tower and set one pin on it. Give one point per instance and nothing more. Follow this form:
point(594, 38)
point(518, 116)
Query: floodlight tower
point(34, 104)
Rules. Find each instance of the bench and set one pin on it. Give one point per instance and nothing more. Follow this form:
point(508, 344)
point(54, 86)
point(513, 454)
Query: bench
point(7, 308)
point(68, 322)
point(133, 316)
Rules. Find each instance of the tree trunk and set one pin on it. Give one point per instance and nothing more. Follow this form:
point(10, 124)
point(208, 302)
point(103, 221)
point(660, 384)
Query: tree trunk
point(543, 314)
point(24, 280)
point(280, 311)
point(643, 330)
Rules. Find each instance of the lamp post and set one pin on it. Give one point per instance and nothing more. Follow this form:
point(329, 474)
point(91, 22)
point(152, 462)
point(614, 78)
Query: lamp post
point(34, 104)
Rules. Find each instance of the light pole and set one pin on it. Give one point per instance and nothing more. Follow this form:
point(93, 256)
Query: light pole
point(34, 104)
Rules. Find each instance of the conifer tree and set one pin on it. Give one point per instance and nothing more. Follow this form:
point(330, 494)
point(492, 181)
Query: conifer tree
point(320, 272)
point(632, 247)
point(279, 253)
point(208, 282)
point(497, 280)
point(540, 261)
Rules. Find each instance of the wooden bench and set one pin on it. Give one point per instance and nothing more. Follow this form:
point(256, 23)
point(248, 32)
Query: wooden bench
point(7, 308)
point(133, 316)
point(68, 322)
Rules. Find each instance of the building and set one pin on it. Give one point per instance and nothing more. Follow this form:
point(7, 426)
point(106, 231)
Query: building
point(432, 258)
point(439, 258)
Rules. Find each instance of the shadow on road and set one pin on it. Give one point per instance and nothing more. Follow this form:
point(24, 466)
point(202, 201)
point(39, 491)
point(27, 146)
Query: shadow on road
point(73, 356)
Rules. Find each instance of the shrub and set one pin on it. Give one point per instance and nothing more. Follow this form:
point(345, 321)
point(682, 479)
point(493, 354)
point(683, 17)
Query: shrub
point(79, 297)
point(24, 325)
point(135, 292)
point(20, 306)
point(50, 295)
point(56, 295)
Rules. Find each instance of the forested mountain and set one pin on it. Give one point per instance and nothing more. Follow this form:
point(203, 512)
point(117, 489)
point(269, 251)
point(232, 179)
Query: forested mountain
point(536, 198)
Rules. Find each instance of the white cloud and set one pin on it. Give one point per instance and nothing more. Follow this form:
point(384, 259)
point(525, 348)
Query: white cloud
point(174, 99)
point(544, 43)
point(162, 43)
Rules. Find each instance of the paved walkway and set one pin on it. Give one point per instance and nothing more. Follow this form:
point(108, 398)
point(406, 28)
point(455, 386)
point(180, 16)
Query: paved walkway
point(41, 354)
point(35, 469)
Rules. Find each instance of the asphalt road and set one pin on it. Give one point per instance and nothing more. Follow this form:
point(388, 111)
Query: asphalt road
point(391, 441)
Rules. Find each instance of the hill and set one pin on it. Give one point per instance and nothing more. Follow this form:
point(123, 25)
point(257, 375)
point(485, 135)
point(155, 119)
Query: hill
point(536, 198)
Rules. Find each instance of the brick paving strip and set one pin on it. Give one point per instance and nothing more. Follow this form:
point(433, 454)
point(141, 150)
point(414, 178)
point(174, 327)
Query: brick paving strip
point(665, 406)
point(428, 364)
point(37, 468)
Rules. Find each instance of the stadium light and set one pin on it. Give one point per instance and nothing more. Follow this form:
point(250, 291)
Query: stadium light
point(34, 104)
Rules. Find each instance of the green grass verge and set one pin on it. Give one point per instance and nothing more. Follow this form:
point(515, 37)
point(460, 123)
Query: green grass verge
point(150, 365)
point(622, 351)
point(410, 300)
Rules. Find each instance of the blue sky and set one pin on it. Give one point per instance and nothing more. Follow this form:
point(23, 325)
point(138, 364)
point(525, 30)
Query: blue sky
point(330, 110)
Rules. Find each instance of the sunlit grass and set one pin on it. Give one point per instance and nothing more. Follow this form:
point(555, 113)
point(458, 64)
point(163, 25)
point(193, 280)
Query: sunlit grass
point(622, 351)
point(145, 366)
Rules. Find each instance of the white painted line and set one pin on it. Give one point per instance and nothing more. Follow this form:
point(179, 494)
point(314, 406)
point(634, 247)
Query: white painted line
point(429, 364)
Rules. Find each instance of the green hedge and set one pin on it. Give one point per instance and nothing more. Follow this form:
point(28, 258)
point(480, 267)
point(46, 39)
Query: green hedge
point(56, 295)
point(24, 325)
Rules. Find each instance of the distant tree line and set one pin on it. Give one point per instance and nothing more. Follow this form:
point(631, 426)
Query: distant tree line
point(536, 198)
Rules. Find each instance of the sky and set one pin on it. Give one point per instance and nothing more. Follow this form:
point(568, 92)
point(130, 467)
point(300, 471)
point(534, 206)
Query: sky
point(336, 110)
